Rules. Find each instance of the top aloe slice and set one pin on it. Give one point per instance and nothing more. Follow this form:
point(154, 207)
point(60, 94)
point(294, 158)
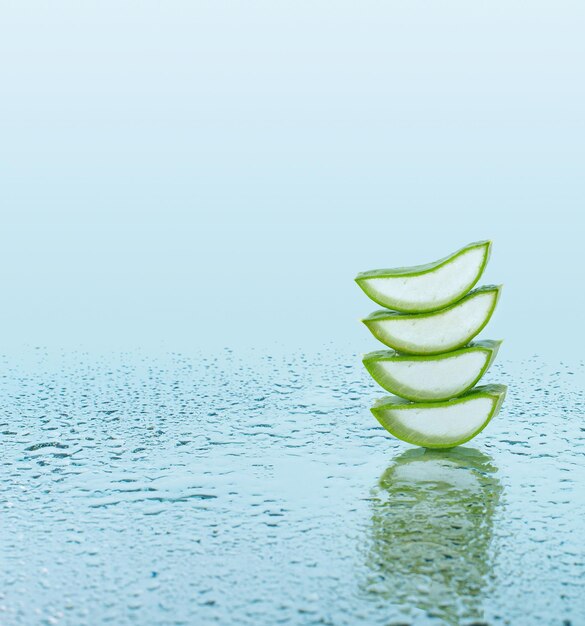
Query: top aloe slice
point(427, 287)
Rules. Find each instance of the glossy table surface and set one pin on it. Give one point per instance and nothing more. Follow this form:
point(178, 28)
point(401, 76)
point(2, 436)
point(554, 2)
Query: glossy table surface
point(248, 488)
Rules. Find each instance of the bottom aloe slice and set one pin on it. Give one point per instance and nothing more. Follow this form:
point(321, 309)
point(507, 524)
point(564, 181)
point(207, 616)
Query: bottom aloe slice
point(440, 424)
point(431, 378)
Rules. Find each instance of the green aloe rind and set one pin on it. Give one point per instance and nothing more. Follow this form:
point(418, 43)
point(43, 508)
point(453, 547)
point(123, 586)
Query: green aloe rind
point(428, 287)
point(440, 424)
point(430, 317)
point(439, 331)
point(416, 377)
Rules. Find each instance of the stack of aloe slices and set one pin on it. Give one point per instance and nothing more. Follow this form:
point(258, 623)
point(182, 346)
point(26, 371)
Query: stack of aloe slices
point(431, 315)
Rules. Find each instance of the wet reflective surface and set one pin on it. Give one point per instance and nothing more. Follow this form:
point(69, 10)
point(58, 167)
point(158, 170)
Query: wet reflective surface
point(258, 489)
point(432, 530)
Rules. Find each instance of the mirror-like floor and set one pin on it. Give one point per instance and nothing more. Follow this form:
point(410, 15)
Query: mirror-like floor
point(248, 489)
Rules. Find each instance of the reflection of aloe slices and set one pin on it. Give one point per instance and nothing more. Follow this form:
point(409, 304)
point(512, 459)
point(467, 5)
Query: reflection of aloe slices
point(433, 378)
point(440, 424)
point(427, 287)
point(438, 331)
point(432, 521)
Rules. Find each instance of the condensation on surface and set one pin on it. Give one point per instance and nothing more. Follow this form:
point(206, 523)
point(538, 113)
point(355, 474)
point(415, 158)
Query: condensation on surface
point(255, 489)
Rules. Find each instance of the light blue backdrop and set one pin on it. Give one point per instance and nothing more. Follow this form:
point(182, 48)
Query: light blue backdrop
point(189, 174)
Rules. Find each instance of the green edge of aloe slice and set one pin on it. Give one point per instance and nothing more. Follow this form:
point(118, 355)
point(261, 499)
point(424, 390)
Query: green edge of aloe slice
point(440, 424)
point(427, 287)
point(431, 378)
point(436, 331)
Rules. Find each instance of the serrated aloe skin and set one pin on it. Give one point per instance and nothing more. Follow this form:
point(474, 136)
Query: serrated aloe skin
point(431, 378)
point(440, 424)
point(427, 287)
point(438, 331)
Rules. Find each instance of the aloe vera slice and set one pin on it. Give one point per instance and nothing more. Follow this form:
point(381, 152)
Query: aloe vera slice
point(427, 287)
point(436, 331)
point(440, 424)
point(433, 377)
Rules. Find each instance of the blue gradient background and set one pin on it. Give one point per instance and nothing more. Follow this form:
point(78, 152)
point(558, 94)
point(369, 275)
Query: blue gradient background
point(182, 174)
